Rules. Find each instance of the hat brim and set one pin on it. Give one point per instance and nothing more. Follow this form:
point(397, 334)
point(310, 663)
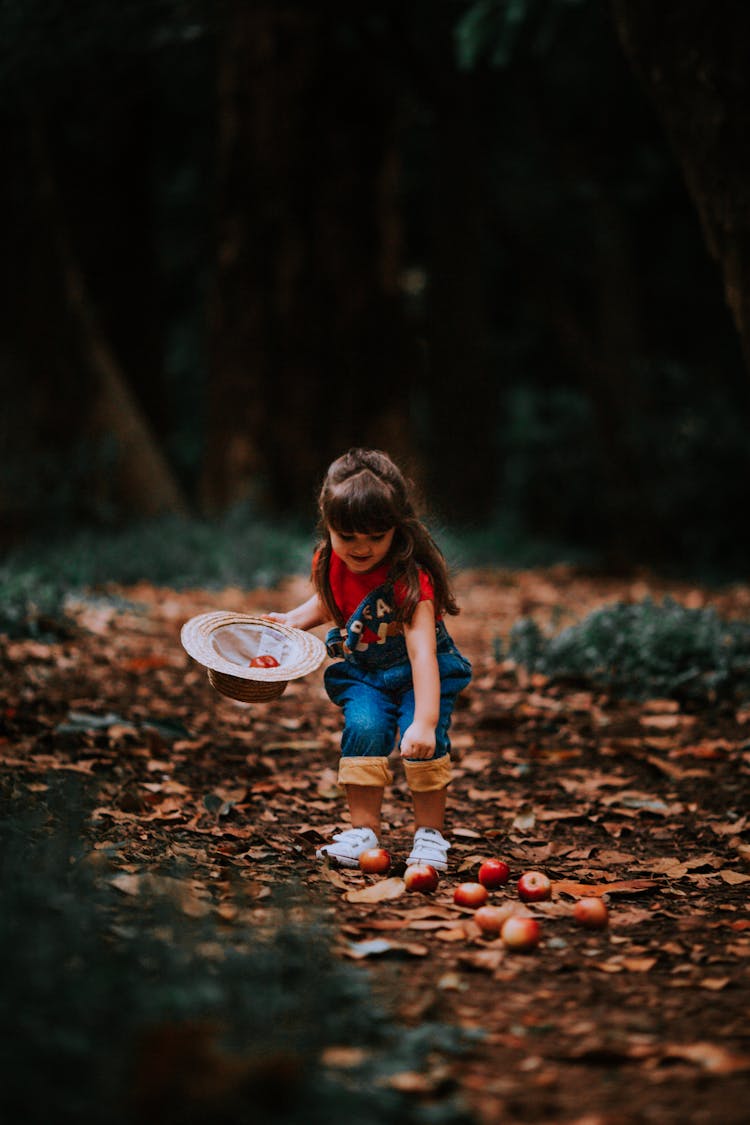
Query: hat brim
point(224, 643)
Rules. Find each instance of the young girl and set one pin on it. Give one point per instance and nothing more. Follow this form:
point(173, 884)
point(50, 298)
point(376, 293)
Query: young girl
point(380, 577)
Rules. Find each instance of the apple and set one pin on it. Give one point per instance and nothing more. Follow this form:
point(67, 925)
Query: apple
point(375, 861)
point(534, 886)
point(421, 877)
point(470, 894)
point(263, 660)
point(591, 913)
point(521, 934)
point(490, 919)
point(494, 873)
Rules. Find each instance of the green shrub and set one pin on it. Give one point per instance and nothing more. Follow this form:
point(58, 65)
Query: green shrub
point(643, 649)
point(31, 603)
point(237, 550)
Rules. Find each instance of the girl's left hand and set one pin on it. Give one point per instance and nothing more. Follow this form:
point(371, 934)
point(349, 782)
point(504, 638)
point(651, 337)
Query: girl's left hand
point(418, 741)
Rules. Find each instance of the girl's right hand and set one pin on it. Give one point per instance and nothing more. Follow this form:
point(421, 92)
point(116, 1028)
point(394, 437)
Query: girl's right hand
point(305, 616)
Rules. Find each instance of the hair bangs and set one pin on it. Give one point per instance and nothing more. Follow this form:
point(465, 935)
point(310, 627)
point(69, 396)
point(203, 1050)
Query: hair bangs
point(361, 505)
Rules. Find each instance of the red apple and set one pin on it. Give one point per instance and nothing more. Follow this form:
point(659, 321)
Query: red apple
point(494, 873)
point(470, 894)
point(521, 934)
point(534, 886)
point(490, 919)
point(263, 660)
point(591, 913)
point(421, 877)
point(375, 861)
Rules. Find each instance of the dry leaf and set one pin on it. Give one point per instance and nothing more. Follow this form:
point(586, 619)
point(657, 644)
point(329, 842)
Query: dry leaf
point(642, 802)
point(661, 722)
point(412, 1082)
point(382, 891)
point(639, 964)
point(343, 1057)
point(624, 887)
point(485, 960)
point(333, 876)
point(661, 707)
point(710, 1056)
point(378, 947)
point(127, 884)
point(715, 984)
point(734, 878)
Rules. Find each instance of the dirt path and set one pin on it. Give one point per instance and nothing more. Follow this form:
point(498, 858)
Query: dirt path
point(645, 1022)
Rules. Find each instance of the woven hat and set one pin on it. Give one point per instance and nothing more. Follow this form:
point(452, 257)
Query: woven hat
point(225, 643)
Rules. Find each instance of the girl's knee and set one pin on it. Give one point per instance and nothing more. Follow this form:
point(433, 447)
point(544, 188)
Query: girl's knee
point(429, 774)
point(367, 733)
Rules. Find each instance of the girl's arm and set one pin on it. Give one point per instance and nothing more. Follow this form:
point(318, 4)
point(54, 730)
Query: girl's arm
point(418, 740)
point(305, 616)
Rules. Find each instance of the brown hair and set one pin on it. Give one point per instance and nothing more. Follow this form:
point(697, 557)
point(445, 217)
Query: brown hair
point(365, 492)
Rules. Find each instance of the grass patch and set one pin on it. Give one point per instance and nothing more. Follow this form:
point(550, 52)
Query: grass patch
point(239, 549)
point(643, 649)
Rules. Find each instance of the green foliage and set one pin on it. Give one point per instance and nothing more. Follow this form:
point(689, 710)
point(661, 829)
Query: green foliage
point(91, 983)
point(490, 29)
point(642, 650)
point(237, 550)
point(30, 603)
point(679, 520)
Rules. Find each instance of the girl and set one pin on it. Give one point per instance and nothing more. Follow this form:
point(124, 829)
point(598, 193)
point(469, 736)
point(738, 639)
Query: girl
point(380, 577)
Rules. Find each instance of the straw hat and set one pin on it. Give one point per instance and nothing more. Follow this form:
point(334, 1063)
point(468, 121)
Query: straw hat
point(225, 643)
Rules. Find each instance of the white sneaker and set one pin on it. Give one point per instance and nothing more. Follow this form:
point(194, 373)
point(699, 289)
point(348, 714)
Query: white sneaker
point(430, 846)
point(348, 846)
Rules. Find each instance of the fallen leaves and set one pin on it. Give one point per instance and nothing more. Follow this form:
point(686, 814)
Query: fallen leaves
point(642, 802)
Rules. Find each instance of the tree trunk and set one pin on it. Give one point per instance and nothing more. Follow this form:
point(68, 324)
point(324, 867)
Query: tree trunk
point(308, 352)
point(692, 58)
point(463, 392)
point(145, 483)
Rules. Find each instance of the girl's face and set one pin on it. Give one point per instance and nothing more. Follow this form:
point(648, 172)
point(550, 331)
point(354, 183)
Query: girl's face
point(362, 552)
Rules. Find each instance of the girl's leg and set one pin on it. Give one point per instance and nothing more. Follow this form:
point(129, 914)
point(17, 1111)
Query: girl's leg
point(365, 803)
point(428, 781)
point(429, 808)
point(366, 743)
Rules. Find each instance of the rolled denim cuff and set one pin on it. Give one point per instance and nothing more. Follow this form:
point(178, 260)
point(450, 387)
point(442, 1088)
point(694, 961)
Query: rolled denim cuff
point(431, 773)
point(364, 771)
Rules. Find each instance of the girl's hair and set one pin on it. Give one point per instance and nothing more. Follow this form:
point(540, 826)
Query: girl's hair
point(365, 492)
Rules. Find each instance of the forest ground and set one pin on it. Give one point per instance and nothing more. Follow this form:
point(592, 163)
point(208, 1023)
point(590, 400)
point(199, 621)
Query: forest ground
point(644, 801)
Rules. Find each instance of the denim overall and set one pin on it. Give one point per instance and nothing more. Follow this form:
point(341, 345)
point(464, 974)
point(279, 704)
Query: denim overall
point(373, 682)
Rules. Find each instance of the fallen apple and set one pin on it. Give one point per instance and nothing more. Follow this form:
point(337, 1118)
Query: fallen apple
point(490, 919)
point(375, 861)
point(591, 913)
point(520, 933)
point(421, 877)
point(494, 873)
point(263, 660)
point(470, 894)
point(534, 886)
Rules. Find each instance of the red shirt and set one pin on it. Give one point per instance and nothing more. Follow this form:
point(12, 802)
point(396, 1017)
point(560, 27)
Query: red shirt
point(349, 589)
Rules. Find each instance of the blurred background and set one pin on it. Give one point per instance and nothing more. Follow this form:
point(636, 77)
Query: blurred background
point(506, 240)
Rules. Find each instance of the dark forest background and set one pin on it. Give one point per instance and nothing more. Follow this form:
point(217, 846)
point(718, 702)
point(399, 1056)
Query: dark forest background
point(506, 240)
